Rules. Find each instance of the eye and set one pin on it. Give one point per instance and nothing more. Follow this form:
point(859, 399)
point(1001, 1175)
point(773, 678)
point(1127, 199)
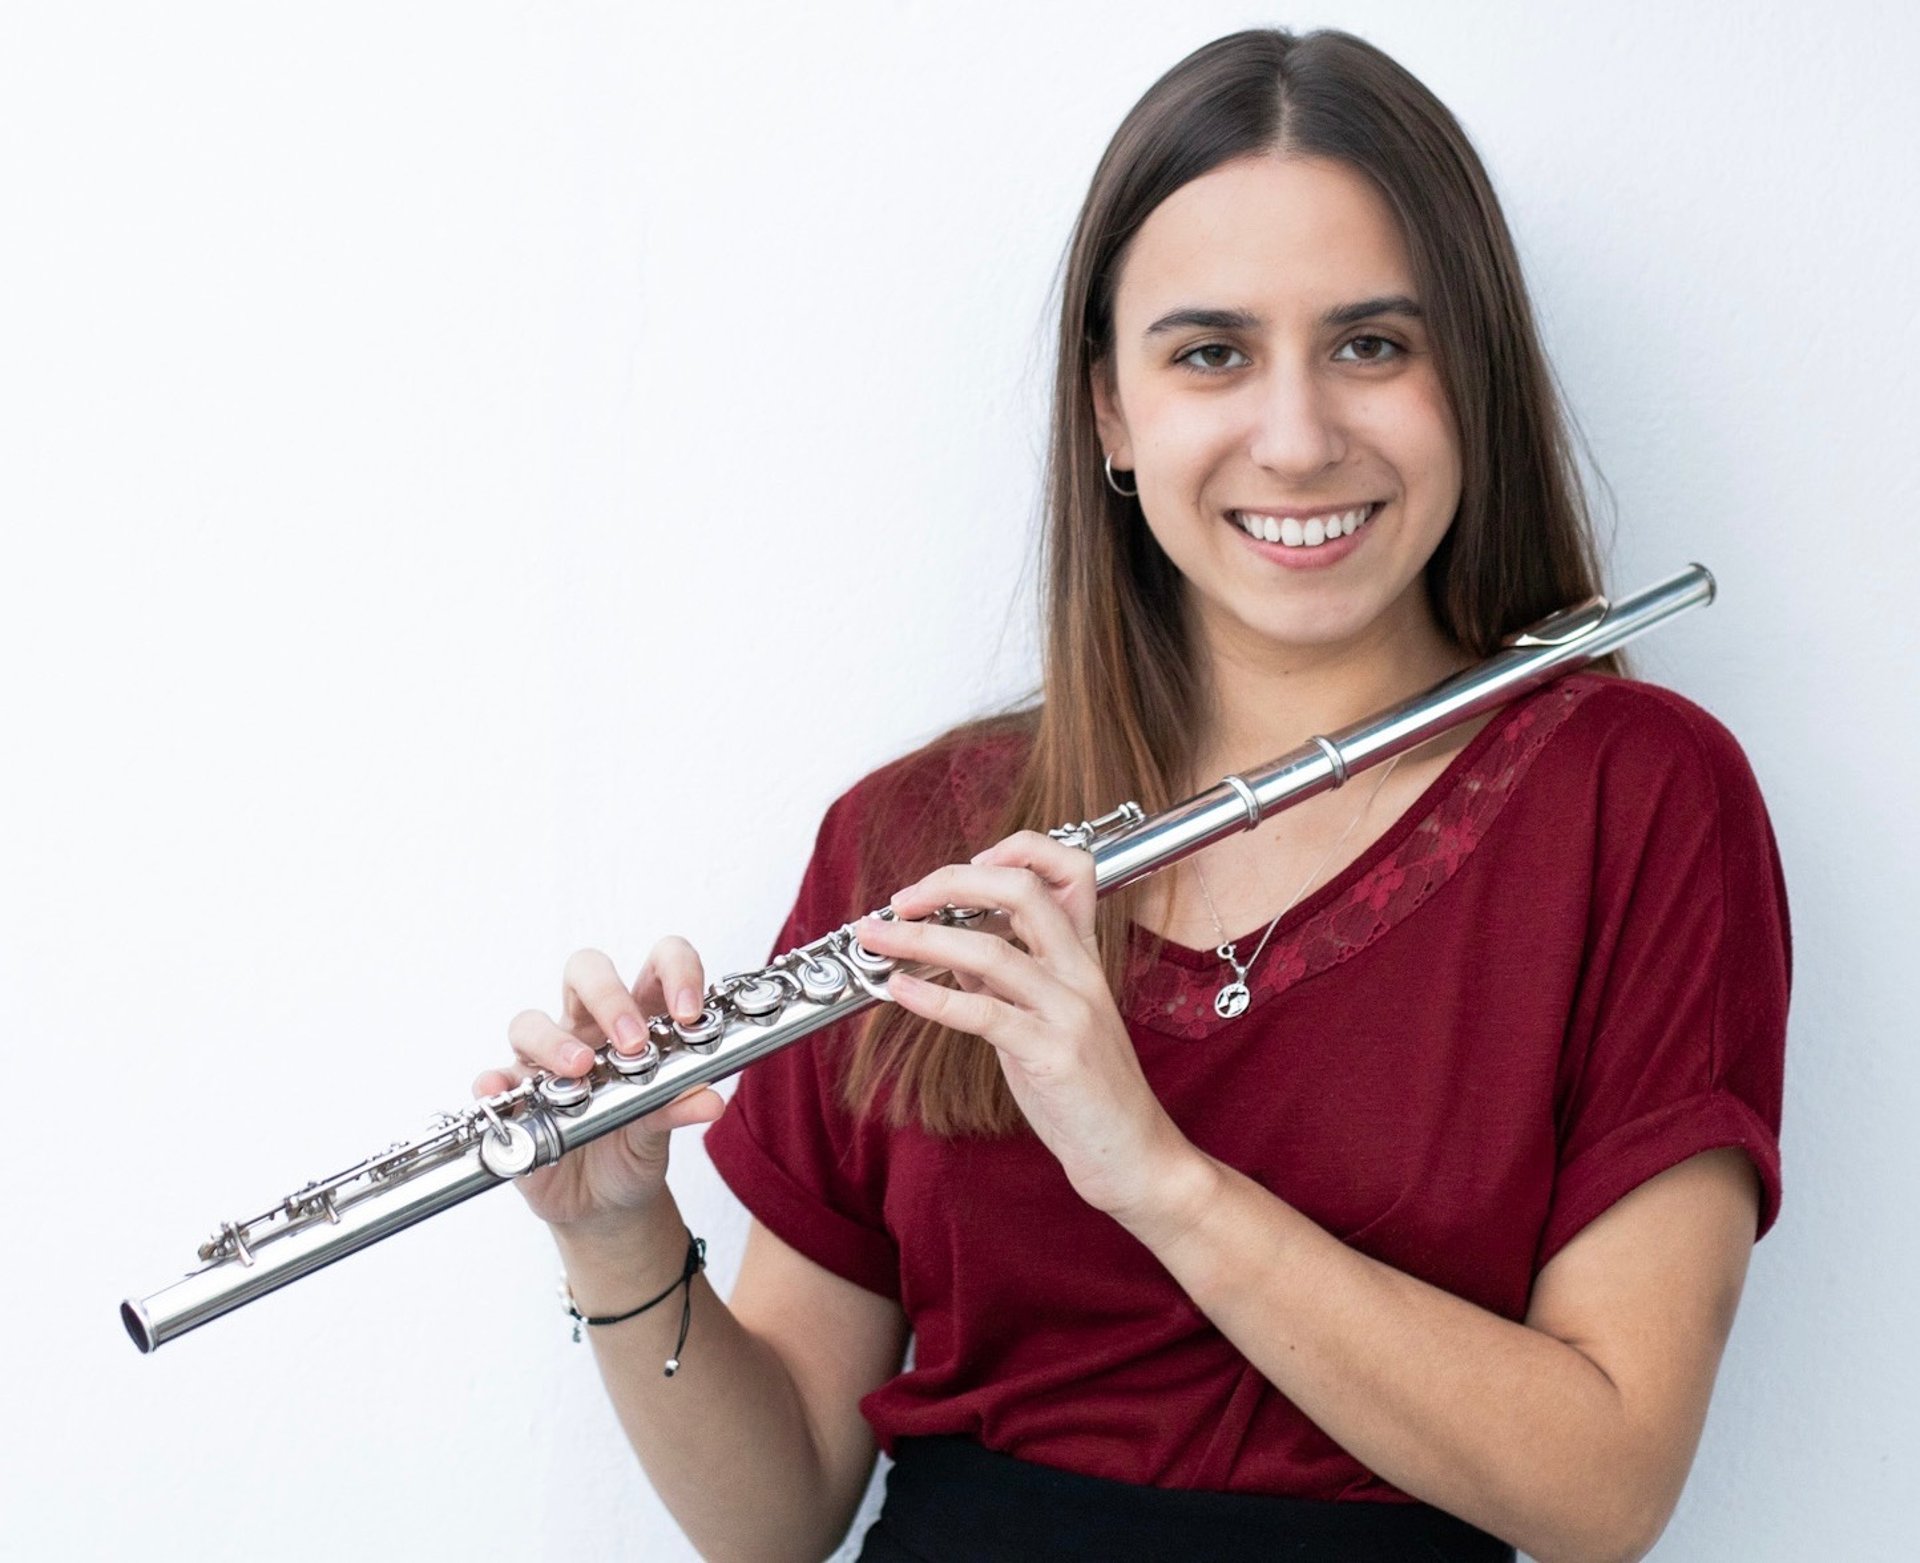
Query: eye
point(1373, 349)
point(1209, 368)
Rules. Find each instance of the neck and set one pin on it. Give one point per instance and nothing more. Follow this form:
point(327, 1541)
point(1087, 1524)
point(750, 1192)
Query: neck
point(1268, 697)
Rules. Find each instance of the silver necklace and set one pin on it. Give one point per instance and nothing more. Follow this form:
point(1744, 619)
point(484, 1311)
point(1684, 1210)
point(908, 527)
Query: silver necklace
point(1234, 997)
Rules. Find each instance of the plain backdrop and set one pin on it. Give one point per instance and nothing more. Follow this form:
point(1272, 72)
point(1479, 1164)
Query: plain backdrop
point(478, 479)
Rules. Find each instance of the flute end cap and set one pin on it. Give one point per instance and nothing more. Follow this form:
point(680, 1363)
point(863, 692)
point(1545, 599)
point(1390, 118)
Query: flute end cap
point(1713, 586)
point(135, 1319)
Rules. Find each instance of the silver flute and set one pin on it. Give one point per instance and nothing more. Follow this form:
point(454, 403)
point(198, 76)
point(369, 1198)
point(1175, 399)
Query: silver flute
point(749, 1015)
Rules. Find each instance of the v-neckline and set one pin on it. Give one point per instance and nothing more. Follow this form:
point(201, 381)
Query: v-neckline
point(1430, 798)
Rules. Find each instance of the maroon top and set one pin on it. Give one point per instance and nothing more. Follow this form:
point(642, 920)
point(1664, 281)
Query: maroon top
point(1563, 970)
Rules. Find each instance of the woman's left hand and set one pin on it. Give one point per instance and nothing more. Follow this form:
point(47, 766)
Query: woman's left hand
point(1047, 1011)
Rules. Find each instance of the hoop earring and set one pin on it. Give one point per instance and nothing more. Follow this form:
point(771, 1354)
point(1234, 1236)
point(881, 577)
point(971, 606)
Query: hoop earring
point(1128, 493)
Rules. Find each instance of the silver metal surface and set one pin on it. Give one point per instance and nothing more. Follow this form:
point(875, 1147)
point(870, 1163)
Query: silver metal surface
point(511, 1153)
point(565, 1091)
point(822, 980)
point(1334, 758)
point(503, 1136)
point(1247, 800)
point(639, 1065)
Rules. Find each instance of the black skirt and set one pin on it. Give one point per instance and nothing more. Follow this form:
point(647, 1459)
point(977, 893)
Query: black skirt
point(950, 1501)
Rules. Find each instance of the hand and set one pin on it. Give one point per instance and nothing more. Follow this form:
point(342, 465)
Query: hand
point(603, 1186)
point(1045, 1008)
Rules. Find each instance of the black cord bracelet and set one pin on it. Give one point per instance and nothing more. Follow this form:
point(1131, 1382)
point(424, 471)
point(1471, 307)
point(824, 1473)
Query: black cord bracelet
point(696, 1262)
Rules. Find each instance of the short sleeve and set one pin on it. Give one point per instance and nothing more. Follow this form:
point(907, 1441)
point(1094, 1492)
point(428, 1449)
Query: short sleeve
point(1677, 1043)
point(794, 1156)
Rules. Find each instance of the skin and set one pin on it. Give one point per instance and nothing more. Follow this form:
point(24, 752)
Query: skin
point(1292, 414)
point(1296, 414)
point(1569, 1433)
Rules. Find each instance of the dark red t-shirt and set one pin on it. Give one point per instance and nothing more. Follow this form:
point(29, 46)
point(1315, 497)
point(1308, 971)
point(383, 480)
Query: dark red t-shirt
point(1563, 970)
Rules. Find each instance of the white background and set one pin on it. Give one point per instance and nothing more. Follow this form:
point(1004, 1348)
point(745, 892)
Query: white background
point(478, 479)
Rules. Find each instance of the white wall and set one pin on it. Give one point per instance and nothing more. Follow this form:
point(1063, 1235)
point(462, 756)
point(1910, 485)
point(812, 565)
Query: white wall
point(477, 479)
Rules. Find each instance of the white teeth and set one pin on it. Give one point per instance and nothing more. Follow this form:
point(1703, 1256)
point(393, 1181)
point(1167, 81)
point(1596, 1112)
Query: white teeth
point(1294, 533)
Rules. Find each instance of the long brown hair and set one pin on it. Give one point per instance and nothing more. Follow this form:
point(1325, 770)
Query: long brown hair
point(1120, 680)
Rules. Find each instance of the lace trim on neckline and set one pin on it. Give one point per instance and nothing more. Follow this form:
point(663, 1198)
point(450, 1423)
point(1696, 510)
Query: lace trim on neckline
point(1173, 994)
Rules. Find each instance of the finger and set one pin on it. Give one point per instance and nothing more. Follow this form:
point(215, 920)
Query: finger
point(672, 980)
point(701, 1104)
point(493, 1081)
point(1061, 864)
point(540, 1042)
point(1066, 871)
point(1033, 914)
point(972, 1014)
point(1004, 972)
point(598, 1005)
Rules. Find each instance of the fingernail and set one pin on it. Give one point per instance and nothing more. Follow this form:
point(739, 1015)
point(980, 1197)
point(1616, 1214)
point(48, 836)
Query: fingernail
point(580, 1057)
point(628, 1034)
point(686, 1004)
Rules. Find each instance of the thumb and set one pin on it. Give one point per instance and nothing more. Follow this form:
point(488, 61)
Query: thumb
point(702, 1104)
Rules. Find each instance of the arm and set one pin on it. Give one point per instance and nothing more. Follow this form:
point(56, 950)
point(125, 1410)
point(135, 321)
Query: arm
point(1570, 1434)
point(767, 1392)
point(766, 1399)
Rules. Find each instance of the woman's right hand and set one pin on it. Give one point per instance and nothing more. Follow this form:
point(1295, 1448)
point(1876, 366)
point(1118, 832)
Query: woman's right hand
point(603, 1186)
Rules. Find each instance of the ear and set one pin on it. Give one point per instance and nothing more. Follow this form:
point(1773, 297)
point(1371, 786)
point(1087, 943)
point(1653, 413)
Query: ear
point(1106, 414)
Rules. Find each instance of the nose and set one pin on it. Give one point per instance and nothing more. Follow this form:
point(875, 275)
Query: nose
point(1298, 432)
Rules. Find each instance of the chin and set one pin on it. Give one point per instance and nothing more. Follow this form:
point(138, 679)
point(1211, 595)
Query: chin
point(1314, 630)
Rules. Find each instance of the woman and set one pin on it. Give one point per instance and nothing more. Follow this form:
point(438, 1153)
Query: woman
point(1378, 1183)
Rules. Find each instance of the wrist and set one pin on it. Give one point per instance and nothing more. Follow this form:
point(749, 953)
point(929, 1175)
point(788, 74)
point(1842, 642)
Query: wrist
point(607, 1260)
point(1181, 1193)
point(694, 1263)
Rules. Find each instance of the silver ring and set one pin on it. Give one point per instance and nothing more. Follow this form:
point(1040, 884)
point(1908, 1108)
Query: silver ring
point(1247, 800)
point(1334, 758)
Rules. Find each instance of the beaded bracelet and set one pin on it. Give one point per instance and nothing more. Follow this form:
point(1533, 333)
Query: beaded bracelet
point(696, 1262)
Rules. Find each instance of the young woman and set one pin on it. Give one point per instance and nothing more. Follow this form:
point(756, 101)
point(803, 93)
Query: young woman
point(1379, 1183)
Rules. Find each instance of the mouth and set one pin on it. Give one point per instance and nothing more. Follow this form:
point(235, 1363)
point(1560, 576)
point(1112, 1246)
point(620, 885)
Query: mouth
point(1304, 532)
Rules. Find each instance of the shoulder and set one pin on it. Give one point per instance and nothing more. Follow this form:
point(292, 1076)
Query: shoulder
point(955, 779)
point(1629, 739)
point(1654, 788)
point(916, 811)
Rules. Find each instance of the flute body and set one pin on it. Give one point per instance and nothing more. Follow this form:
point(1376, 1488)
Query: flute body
point(749, 1015)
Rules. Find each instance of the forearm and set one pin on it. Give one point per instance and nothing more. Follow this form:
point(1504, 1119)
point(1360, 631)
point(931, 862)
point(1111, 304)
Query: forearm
point(725, 1441)
point(1498, 1423)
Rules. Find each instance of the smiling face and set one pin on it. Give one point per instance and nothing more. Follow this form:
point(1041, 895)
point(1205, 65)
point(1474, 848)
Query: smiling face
point(1272, 383)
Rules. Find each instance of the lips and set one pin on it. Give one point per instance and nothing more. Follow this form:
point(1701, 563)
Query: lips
point(1302, 554)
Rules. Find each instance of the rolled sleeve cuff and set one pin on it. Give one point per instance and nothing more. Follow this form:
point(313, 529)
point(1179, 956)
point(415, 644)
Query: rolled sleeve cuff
point(849, 1249)
point(1649, 1145)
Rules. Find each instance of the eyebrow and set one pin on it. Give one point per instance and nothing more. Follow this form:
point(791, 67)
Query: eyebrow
point(1244, 320)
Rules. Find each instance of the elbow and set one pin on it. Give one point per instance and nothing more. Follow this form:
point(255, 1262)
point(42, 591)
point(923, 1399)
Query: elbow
point(1625, 1506)
point(1640, 1541)
point(1607, 1521)
point(1598, 1549)
point(1626, 1550)
point(1625, 1536)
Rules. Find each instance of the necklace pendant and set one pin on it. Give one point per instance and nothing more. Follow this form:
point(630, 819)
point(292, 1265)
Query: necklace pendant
point(1232, 1000)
